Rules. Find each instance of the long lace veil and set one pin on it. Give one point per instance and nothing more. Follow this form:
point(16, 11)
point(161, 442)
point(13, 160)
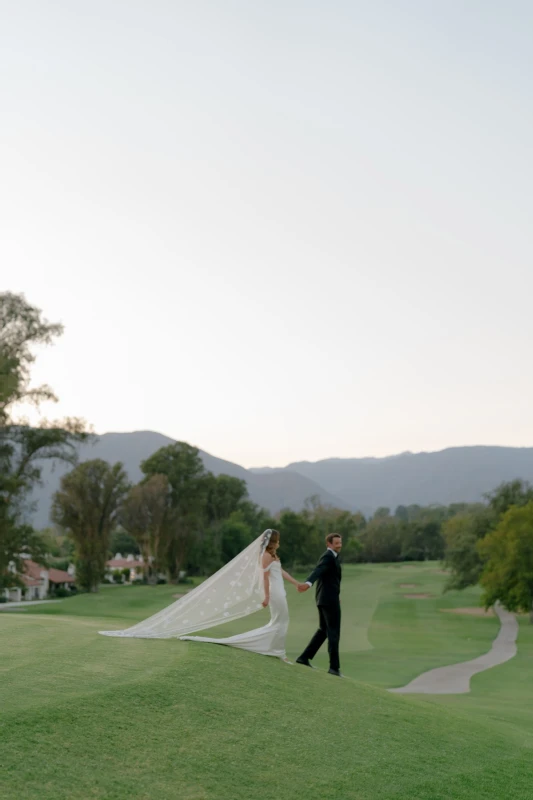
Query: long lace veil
point(234, 591)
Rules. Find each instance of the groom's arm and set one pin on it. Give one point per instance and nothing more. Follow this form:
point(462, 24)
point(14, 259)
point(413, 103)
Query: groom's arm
point(319, 570)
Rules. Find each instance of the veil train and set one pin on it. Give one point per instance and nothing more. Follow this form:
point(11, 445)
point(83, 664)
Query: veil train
point(233, 592)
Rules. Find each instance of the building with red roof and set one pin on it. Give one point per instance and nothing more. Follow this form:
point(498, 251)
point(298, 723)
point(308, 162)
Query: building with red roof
point(135, 564)
point(39, 581)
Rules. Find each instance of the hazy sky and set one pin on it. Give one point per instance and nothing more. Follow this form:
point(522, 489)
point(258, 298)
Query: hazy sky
point(278, 230)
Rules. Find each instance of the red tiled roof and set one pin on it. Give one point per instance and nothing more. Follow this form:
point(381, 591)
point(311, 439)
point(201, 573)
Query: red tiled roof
point(27, 581)
point(59, 576)
point(120, 563)
point(32, 569)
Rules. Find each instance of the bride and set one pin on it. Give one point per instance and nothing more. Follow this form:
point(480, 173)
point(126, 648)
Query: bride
point(268, 640)
point(252, 580)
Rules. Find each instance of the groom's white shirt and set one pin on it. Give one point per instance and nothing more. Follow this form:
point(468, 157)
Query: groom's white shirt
point(331, 550)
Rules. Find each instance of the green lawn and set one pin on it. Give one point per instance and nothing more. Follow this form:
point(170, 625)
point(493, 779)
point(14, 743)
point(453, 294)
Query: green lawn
point(84, 716)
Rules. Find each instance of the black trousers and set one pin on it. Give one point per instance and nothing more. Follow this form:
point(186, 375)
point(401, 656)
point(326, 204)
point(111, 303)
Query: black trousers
point(329, 628)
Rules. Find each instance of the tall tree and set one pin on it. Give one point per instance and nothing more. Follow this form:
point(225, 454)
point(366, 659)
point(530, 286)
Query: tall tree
point(255, 517)
point(461, 534)
point(382, 512)
point(326, 519)
point(465, 528)
point(402, 513)
point(23, 448)
point(222, 541)
point(507, 553)
point(235, 535)
point(184, 470)
point(87, 506)
point(382, 539)
point(422, 540)
point(223, 496)
point(513, 493)
point(22, 326)
point(122, 542)
point(301, 542)
point(145, 515)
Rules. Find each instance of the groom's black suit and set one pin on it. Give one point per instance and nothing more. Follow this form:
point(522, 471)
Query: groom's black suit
point(327, 576)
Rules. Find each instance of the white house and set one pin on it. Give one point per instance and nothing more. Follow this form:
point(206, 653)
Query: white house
point(38, 582)
point(135, 564)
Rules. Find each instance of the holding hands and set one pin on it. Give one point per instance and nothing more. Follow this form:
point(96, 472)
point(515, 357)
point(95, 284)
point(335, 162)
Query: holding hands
point(303, 587)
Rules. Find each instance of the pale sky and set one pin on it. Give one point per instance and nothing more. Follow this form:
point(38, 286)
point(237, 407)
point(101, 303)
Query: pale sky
point(278, 230)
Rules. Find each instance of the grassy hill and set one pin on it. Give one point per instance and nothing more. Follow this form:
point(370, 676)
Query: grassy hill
point(85, 716)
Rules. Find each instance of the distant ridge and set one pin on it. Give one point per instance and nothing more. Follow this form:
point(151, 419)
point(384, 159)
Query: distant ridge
point(285, 489)
point(457, 474)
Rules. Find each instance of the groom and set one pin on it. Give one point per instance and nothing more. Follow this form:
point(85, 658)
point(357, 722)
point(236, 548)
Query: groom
point(327, 575)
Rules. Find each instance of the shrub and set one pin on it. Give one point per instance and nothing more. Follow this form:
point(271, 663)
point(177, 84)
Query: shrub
point(161, 580)
point(61, 592)
point(117, 577)
point(60, 563)
point(3, 599)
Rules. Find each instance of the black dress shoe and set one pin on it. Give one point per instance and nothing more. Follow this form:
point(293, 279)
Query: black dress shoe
point(305, 662)
point(336, 672)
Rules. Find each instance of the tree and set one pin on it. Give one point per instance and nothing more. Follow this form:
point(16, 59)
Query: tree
point(301, 542)
point(513, 493)
point(507, 553)
point(381, 512)
point(422, 541)
point(87, 506)
point(145, 514)
point(51, 542)
point(461, 534)
point(23, 448)
point(326, 519)
point(470, 524)
point(256, 518)
point(223, 496)
point(122, 542)
point(402, 513)
point(193, 536)
point(184, 470)
point(382, 539)
point(21, 327)
point(235, 535)
point(18, 541)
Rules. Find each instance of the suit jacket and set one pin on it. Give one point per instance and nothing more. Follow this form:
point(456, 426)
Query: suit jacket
point(327, 575)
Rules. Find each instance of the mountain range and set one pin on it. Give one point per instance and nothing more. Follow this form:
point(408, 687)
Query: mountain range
point(458, 474)
point(280, 489)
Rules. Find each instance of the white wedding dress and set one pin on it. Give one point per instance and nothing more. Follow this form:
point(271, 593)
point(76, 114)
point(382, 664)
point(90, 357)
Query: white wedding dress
point(270, 639)
point(235, 591)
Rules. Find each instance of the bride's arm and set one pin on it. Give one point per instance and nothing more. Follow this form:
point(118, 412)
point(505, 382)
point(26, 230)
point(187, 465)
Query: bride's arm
point(266, 562)
point(290, 578)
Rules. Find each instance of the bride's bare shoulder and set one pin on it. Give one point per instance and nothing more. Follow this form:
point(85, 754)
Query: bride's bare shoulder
point(267, 560)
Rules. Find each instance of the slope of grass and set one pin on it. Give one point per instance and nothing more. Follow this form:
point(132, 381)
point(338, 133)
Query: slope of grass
point(387, 639)
point(84, 716)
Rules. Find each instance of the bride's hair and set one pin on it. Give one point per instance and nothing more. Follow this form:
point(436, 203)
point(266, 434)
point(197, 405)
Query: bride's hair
point(274, 539)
